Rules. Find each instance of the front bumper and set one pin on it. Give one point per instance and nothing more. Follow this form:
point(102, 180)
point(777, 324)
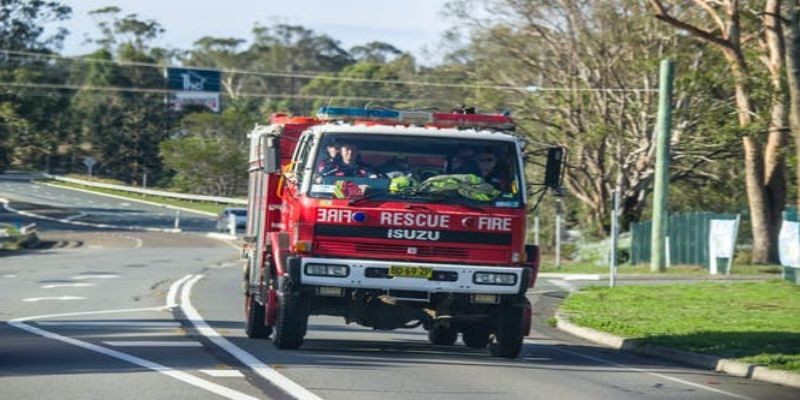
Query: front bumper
point(463, 283)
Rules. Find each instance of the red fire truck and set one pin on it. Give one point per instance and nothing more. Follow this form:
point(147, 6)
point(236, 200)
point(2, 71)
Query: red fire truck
point(391, 220)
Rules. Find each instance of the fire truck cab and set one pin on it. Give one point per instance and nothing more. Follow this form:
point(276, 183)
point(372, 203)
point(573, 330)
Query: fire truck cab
point(390, 220)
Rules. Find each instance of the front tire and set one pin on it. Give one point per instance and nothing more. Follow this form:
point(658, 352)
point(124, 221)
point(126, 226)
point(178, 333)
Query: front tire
point(255, 323)
point(442, 335)
point(290, 328)
point(508, 332)
point(477, 336)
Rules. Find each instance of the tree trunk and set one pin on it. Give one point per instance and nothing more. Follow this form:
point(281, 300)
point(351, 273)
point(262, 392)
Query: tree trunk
point(793, 80)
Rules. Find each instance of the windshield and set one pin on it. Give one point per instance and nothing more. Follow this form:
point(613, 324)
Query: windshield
point(421, 169)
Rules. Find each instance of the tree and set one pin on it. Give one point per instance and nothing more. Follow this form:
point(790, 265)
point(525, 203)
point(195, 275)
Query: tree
point(602, 59)
point(733, 31)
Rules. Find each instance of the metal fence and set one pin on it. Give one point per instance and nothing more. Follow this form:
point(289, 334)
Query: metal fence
point(687, 236)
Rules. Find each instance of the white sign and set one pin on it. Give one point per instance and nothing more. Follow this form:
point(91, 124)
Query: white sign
point(208, 99)
point(89, 162)
point(789, 244)
point(721, 241)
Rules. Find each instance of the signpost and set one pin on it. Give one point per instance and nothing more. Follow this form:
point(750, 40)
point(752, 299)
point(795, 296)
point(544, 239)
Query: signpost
point(89, 162)
point(192, 86)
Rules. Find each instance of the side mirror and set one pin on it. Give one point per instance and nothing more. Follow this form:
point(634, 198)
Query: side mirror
point(270, 154)
point(554, 167)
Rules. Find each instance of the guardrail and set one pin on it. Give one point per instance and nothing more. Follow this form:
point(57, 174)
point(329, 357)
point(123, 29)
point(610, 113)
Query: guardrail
point(160, 193)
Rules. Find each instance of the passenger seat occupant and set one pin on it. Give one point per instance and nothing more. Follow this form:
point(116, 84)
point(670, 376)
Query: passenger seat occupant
point(463, 162)
point(490, 171)
point(329, 164)
point(351, 166)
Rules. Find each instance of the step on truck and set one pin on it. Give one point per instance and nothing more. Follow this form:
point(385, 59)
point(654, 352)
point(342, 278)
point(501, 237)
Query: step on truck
point(392, 220)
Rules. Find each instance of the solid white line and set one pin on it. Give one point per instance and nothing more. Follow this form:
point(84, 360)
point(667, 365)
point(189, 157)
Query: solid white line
point(284, 383)
point(152, 343)
point(223, 373)
point(564, 285)
point(60, 285)
point(644, 371)
point(162, 369)
point(172, 294)
point(112, 324)
point(62, 298)
point(80, 214)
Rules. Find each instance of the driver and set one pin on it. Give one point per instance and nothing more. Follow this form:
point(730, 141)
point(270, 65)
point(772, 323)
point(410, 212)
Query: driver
point(351, 165)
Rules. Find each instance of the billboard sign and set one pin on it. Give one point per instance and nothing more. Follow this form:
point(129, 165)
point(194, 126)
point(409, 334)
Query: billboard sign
point(191, 86)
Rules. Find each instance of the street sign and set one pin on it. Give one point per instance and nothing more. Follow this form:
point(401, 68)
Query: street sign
point(89, 162)
point(192, 86)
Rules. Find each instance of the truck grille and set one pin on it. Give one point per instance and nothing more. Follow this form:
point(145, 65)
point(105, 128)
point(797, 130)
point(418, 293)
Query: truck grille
point(400, 252)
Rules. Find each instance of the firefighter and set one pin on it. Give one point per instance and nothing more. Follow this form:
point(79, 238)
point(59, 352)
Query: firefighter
point(490, 171)
point(332, 162)
point(351, 165)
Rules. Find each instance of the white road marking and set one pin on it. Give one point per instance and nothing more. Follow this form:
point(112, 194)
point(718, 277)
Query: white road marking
point(62, 298)
point(162, 369)
point(10, 276)
point(138, 241)
point(101, 324)
point(80, 214)
point(582, 277)
point(60, 285)
point(656, 374)
point(223, 373)
point(284, 383)
point(94, 276)
point(94, 246)
point(152, 343)
point(564, 285)
point(172, 294)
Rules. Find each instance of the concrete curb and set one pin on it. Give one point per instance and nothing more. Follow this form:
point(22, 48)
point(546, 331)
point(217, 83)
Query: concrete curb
point(726, 365)
point(641, 277)
point(114, 196)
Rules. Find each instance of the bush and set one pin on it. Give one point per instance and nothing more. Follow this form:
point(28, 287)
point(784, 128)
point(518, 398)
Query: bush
point(598, 252)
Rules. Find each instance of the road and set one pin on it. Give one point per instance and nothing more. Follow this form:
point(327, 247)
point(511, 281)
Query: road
point(129, 315)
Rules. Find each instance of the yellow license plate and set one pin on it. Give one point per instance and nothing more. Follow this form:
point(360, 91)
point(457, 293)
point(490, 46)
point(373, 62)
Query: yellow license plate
point(410, 272)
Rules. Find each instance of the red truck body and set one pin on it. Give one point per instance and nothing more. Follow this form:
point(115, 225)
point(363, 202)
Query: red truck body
point(388, 249)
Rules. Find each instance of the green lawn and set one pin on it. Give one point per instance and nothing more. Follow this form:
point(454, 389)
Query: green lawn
point(753, 322)
point(590, 268)
point(215, 208)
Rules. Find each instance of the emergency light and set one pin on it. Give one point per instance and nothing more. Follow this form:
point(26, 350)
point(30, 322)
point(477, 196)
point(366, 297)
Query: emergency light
point(423, 118)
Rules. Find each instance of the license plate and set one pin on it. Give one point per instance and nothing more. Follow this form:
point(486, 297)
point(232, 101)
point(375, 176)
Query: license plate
point(410, 272)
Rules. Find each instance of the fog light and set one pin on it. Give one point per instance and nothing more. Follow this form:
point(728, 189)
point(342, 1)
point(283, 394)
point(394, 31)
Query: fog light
point(338, 271)
point(494, 278)
point(485, 298)
point(302, 246)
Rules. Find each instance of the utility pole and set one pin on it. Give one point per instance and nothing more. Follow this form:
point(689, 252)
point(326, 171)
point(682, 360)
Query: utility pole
point(558, 232)
point(663, 129)
point(612, 273)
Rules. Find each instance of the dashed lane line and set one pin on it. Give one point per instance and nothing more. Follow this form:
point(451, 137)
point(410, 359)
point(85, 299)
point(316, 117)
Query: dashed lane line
point(62, 285)
point(94, 276)
point(212, 387)
point(656, 374)
point(223, 373)
point(61, 298)
point(153, 343)
point(111, 324)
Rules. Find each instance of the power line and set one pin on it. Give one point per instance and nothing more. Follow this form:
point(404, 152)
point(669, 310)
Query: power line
point(334, 78)
point(118, 89)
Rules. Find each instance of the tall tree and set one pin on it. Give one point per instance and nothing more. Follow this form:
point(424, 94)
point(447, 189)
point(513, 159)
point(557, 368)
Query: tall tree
point(734, 31)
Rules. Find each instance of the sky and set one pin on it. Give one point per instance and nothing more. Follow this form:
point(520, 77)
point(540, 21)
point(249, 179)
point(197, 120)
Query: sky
point(410, 25)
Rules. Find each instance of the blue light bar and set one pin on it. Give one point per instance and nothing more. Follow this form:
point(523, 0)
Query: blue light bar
point(356, 113)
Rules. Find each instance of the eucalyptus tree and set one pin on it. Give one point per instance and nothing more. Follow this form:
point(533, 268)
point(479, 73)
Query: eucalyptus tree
point(583, 74)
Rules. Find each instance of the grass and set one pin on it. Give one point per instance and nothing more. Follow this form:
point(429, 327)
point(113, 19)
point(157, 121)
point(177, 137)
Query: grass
point(590, 268)
point(214, 208)
point(753, 322)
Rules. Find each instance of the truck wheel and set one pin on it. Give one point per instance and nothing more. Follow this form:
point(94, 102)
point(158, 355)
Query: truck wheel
point(255, 325)
point(508, 332)
point(442, 335)
point(476, 336)
point(290, 328)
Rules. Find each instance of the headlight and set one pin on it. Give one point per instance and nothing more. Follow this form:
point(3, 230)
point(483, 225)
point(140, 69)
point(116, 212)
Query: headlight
point(494, 278)
point(339, 271)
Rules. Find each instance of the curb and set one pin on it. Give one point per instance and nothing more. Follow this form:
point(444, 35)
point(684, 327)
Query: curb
point(114, 196)
point(726, 365)
point(641, 277)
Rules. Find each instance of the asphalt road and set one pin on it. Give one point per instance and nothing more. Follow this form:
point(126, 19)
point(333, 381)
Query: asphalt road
point(133, 315)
